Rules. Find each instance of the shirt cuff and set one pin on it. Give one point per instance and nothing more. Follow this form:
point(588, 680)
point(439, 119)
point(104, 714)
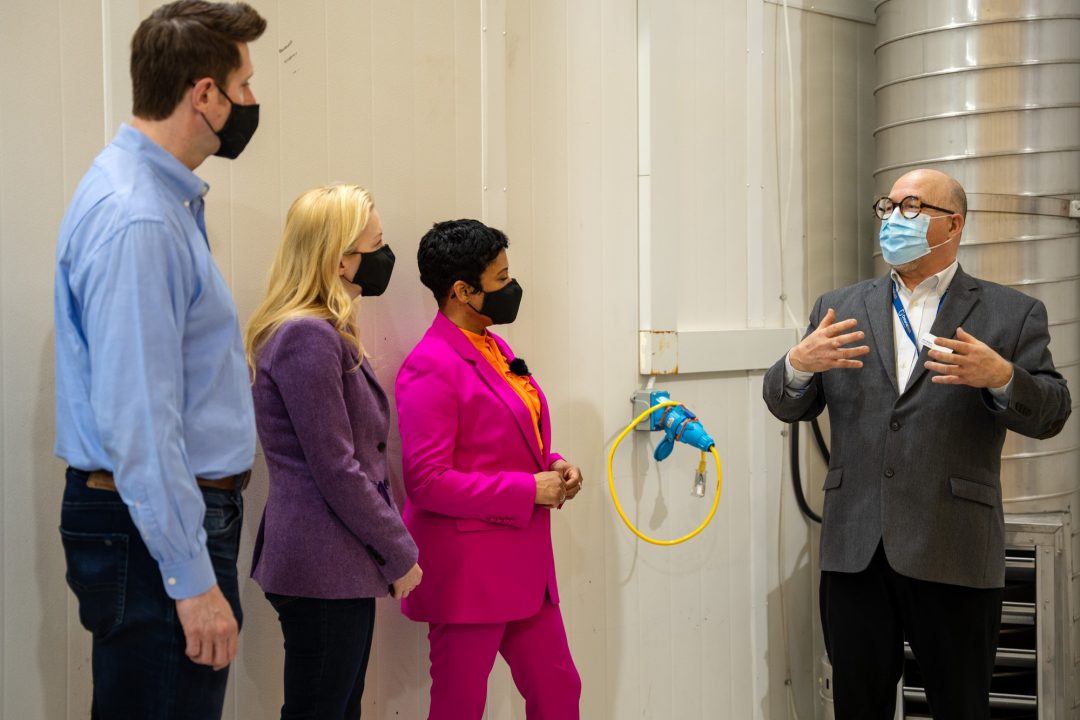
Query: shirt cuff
point(188, 578)
point(795, 381)
point(1002, 394)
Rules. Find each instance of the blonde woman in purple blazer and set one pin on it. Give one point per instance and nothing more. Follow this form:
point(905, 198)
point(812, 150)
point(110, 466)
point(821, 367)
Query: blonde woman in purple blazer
point(331, 539)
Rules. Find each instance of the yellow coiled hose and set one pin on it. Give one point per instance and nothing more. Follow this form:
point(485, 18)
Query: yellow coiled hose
point(701, 466)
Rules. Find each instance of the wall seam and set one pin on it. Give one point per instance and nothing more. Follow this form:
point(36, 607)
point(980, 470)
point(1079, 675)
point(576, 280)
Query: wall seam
point(3, 440)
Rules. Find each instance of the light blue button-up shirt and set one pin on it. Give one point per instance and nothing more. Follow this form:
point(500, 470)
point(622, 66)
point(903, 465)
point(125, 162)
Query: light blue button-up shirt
point(151, 381)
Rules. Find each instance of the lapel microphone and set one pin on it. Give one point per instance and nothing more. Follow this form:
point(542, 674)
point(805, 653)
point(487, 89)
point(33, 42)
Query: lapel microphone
point(518, 367)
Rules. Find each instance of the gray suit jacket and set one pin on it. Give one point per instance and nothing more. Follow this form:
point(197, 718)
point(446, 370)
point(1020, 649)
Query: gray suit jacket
point(921, 470)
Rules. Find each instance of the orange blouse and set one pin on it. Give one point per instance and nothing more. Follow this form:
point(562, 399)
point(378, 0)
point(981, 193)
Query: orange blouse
point(519, 383)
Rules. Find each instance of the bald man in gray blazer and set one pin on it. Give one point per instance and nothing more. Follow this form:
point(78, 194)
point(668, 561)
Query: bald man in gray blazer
point(924, 373)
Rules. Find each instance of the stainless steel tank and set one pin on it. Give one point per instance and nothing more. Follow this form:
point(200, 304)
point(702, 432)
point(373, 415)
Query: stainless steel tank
point(988, 91)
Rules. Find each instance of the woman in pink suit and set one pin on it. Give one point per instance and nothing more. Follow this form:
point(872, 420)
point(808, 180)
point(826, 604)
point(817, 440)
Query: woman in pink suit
point(481, 481)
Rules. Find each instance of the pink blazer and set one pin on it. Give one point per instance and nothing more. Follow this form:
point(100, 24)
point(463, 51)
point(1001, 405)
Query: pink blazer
point(469, 454)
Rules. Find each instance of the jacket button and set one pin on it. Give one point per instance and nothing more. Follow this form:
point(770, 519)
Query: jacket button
point(381, 447)
point(894, 425)
point(889, 472)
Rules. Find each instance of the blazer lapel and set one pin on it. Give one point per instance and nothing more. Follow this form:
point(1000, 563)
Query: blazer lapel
point(376, 387)
point(495, 382)
point(959, 301)
point(879, 310)
point(545, 417)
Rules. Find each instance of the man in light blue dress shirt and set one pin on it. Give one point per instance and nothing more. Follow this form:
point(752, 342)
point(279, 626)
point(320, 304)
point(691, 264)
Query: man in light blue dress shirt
point(153, 400)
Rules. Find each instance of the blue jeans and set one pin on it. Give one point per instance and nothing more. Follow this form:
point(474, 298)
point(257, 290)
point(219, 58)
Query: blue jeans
point(139, 666)
point(327, 646)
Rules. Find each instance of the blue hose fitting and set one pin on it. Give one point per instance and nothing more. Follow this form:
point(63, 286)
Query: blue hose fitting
point(678, 424)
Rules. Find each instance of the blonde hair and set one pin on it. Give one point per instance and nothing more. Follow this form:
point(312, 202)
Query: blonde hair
point(321, 226)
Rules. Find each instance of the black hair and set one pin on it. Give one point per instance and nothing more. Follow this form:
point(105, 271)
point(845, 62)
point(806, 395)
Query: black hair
point(457, 250)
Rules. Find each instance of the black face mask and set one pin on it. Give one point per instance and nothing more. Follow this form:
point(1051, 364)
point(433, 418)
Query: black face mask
point(238, 129)
point(502, 305)
point(373, 275)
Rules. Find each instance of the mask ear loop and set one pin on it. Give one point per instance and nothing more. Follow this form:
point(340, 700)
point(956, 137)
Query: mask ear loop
point(944, 242)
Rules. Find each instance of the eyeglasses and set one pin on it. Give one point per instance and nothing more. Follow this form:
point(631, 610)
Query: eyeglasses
point(910, 207)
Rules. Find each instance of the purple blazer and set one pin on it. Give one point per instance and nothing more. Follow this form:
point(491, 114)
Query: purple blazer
point(330, 528)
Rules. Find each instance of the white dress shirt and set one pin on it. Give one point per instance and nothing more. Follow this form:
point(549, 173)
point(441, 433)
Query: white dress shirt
point(921, 305)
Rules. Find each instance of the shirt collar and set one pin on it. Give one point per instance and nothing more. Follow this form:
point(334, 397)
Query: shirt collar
point(936, 284)
point(187, 185)
point(477, 338)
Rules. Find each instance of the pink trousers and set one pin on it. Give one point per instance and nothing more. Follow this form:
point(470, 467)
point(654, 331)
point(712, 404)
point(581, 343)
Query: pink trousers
point(536, 650)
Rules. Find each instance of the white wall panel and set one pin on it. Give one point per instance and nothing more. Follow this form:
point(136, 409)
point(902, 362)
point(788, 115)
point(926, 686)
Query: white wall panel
point(827, 244)
point(81, 29)
point(389, 95)
point(32, 187)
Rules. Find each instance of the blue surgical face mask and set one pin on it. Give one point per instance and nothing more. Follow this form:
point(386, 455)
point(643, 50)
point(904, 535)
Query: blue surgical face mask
point(903, 240)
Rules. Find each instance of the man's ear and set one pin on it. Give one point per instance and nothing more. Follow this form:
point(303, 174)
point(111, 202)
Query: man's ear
point(200, 94)
point(956, 225)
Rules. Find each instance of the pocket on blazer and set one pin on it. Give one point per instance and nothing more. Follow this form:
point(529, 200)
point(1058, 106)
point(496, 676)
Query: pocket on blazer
point(833, 479)
point(975, 491)
point(474, 525)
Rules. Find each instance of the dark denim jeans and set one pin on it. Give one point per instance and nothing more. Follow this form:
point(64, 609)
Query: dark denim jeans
point(327, 646)
point(139, 666)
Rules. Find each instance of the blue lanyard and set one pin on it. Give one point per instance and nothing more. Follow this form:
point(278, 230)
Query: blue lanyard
point(902, 314)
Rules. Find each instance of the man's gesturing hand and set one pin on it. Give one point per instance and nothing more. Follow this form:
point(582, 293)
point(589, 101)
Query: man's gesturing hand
point(824, 348)
point(971, 362)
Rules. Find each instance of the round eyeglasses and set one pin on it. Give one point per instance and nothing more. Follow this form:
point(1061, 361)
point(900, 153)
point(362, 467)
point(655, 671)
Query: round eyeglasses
point(910, 207)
